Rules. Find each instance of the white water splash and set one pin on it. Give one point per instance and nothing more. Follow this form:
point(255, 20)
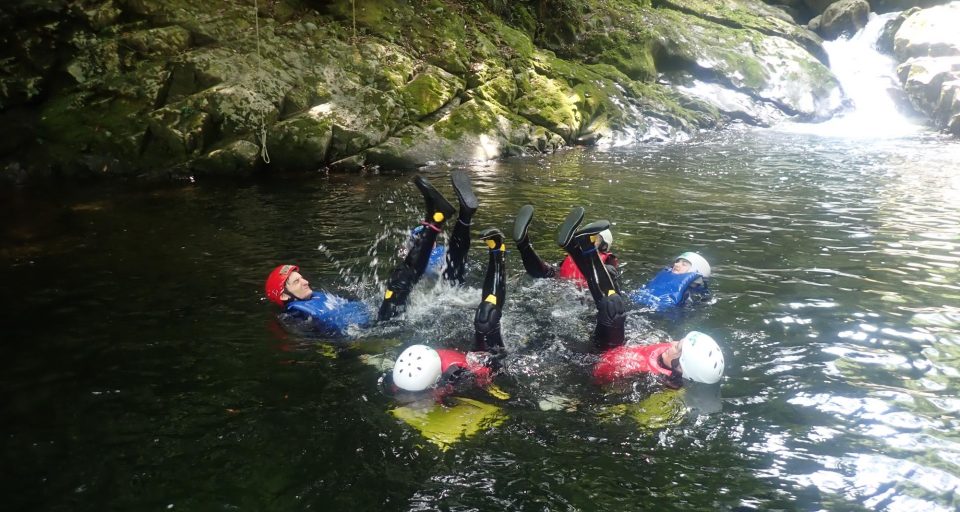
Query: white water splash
point(868, 78)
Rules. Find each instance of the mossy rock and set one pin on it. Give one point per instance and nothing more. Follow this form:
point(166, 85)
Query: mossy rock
point(201, 70)
point(301, 142)
point(473, 131)
point(156, 42)
point(302, 96)
point(501, 88)
point(634, 61)
point(233, 158)
point(96, 59)
point(752, 14)
point(83, 123)
point(431, 89)
point(178, 132)
point(766, 67)
point(550, 103)
point(236, 109)
point(363, 119)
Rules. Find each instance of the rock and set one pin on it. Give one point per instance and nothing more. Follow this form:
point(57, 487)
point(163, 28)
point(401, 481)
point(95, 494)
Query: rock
point(933, 32)
point(770, 69)
point(173, 84)
point(431, 89)
point(301, 142)
point(176, 132)
point(473, 131)
point(814, 24)
point(237, 157)
point(819, 6)
point(890, 28)
point(928, 46)
point(734, 105)
point(932, 84)
point(157, 41)
point(844, 17)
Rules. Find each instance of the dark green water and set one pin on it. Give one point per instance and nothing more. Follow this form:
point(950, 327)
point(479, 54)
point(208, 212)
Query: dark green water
point(143, 371)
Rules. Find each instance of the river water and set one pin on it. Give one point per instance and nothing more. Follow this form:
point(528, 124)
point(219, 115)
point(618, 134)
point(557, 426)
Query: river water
point(142, 370)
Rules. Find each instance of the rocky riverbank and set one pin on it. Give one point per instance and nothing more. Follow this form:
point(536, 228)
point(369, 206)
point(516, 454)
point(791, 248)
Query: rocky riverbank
point(178, 88)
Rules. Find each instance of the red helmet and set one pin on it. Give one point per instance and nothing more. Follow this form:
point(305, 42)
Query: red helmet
point(276, 282)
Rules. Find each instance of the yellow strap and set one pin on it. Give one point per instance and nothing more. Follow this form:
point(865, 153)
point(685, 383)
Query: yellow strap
point(496, 392)
point(388, 294)
point(492, 299)
point(611, 292)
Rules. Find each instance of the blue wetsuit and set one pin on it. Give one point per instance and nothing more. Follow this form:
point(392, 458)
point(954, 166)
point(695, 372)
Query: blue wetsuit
point(326, 314)
point(667, 290)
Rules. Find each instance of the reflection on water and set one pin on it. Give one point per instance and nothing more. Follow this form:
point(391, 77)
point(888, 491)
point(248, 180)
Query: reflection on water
point(144, 370)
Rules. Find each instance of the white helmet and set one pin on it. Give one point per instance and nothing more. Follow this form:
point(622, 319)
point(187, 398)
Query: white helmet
point(607, 237)
point(417, 368)
point(700, 358)
point(697, 262)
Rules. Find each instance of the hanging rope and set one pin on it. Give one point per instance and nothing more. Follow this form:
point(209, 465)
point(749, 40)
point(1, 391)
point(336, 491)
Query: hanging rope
point(262, 132)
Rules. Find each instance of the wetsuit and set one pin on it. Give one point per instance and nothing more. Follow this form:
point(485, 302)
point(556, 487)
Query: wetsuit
point(325, 314)
point(668, 289)
point(624, 362)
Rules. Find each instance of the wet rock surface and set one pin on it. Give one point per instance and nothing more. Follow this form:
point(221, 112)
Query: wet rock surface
point(927, 44)
point(177, 88)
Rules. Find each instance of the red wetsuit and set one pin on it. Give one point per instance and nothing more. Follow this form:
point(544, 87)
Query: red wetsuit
point(569, 270)
point(457, 372)
point(621, 362)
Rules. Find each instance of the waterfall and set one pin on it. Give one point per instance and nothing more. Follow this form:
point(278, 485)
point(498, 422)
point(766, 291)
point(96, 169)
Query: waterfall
point(868, 78)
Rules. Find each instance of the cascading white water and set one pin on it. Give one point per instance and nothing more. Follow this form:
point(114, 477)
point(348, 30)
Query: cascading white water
point(867, 77)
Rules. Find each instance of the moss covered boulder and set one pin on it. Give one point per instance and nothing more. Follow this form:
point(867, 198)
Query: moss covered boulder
point(178, 87)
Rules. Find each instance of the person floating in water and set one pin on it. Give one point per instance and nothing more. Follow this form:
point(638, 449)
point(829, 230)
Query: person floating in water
point(686, 279)
point(308, 311)
point(327, 314)
point(422, 242)
point(444, 372)
point(566, 269)
point(696, 357)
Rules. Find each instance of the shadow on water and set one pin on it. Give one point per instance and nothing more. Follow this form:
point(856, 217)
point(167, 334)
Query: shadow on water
point(143, 370)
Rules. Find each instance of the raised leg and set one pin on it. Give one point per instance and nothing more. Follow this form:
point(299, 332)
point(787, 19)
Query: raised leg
point(407, 273)
point(460, 239)
point(487, 320)
point(532, 262)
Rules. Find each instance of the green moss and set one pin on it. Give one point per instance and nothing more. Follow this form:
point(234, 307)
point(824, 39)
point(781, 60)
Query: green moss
point(550, 103)
point(427, 92)
point(71, 125)
point(301, 142)
point(469, 118)
point(635, 61)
